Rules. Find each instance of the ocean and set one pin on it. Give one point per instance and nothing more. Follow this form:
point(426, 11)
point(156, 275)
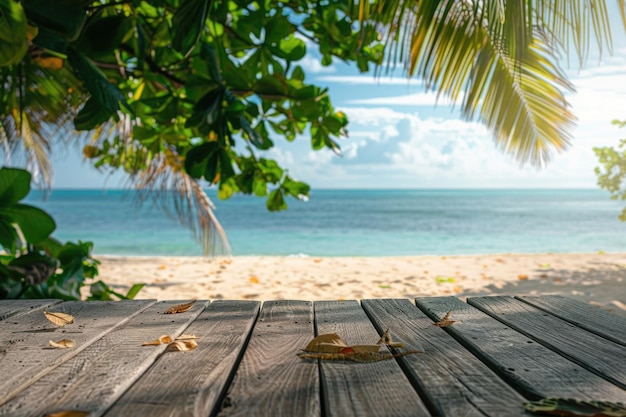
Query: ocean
point(353, 223)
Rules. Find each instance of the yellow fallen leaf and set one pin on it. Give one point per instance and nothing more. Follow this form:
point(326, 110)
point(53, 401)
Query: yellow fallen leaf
point(59, 319)
point(182, 345)
point(445, 321)
point(62, 344)
point(70, 413)
point(254, 280)
point(332, 343)
point(326, 343)
point(163, 340)
point(356, 356)
point(162, 266)
point(522, 277)
point(386, 339)
point(180, 308)
point(187, 337)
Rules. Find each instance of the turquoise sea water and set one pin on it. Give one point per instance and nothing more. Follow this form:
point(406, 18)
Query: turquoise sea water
point(354, 222)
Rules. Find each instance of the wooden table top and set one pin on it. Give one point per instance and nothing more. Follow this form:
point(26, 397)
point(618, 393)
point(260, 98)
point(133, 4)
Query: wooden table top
point(501, 352)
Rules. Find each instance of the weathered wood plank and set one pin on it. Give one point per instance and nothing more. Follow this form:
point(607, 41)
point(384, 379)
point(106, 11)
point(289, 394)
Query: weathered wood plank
point(94, 378)
point(10, 308)
point(271, 380)
point(599, 355)
point(531, 368)
point(361, 389)
point(25, 355)
point(193, 384)
point(451, 381)
point(594, 319)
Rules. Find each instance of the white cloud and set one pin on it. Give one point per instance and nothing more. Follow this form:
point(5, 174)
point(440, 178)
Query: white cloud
point(414, 99)
point(368, 80)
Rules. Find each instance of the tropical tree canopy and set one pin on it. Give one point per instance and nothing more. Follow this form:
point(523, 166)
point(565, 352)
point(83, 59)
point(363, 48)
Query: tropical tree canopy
point(175, 91)
point(612, 170)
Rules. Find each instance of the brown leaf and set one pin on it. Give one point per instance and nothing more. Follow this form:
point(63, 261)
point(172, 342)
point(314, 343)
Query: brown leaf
point(386, 339)
point(522, 277)
point(356, 356)
point(180, 308)
point(326, 343)
point(59, 319)
point(71, 413)
point(163, 340)
point(62, 344)
point(182, 345)
point(445, 321)
point(187, 337)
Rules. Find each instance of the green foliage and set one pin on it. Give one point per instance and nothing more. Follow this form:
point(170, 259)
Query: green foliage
point(612, 172)
point(34, 264)
point(178, 92)
point(206, 83)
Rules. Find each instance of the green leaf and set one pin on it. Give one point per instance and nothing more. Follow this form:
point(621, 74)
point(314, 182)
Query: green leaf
point(207, 110)
point(103, 35)
point(277, 29)
point(290, 48)
point(64, 17)
point(13, 29)
point(297, 189)
point(276, 201)
point(188, 23)
point(8, 235)
point(14, 185)
point(105, 97)
point(199, 158)
point(133, 291)
point(34, 223)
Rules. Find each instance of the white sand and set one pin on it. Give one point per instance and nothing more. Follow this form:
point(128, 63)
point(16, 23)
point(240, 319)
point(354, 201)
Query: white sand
point(599, 279)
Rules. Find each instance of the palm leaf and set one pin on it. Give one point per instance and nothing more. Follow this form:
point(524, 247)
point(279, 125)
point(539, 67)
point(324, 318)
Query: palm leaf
point(165, 182)
point(500, 58)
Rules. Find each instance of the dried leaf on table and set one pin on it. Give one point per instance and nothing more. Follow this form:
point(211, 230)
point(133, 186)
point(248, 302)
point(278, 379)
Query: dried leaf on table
point(355, 356)
point(163, 340)
point(332, 343)
point(62, 344)
point(445, 321)
point(576, 408)
point(187, 337)
point(386, 340)
point(180, 308)
point(59, 319)
point(70, 413)
point(182, 345)
point(326, 343)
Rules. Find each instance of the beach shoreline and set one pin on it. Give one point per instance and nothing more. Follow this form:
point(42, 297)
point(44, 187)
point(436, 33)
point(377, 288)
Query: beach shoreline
point(595, 278)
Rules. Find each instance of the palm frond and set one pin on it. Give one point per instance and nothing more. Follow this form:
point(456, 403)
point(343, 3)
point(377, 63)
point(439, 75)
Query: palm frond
point(520, 101)
point(577, 23)
point(164, 182)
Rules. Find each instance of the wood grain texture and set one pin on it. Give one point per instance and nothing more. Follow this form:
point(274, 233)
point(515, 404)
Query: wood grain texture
point(11, 308)
point(451, 381)
point(25, 354)
point(98, 375)
point(192, 384)
point(599, 355)
point(271, 380)
point(377, 389)
point(591, 318)
point(531, 368)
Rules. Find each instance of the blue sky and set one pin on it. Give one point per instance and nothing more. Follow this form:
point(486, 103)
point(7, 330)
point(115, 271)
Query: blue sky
point(399, 138)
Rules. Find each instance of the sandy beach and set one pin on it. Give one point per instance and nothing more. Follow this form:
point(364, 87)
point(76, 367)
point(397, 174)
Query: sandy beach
point(598, 279)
